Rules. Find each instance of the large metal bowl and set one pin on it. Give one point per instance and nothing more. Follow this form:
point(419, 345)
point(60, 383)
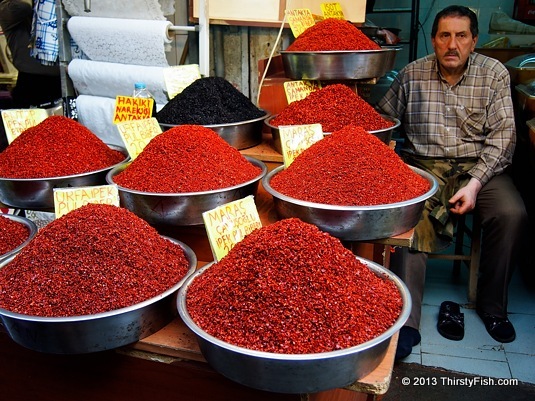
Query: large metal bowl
point(384, 134)
point(182, 209)
point(98, 332)
point(354, 223)
point(296, 373)
point(38, 193)
point(239, 135)
point(338, 65)
point(32, 232)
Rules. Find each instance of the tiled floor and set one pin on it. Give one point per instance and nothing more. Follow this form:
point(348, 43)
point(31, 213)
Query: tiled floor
point(477, 353)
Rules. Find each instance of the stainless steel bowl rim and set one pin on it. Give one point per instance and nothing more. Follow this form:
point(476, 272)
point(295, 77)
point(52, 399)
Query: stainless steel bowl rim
point(403, 316)
point(121, 149)
point(244, 122)
point(256, 162)
point(32, 228)
point(382, 50)
point(396, 122)
point(190, 256)
point(432, 181)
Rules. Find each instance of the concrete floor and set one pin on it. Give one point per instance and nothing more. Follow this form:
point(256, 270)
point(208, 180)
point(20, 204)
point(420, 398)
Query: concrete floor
point(437, 359)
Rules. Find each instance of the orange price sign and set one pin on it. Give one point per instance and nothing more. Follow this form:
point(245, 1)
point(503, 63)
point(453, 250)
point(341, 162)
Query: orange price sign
point(332, 10)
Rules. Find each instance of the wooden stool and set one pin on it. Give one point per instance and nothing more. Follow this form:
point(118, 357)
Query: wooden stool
point(471, 258)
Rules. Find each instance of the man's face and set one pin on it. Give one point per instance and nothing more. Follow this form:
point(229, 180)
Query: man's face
point(453, 43)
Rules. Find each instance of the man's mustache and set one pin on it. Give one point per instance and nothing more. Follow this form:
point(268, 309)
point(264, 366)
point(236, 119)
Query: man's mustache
point(452, 54)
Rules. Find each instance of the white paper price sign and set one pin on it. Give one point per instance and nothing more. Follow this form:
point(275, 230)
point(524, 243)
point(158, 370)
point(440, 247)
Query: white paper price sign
point(297, 138)
point(136, 134)
point(17, 121)
point(68, 199)
point(228, 224)
point(298, 90)
point(300, 19)
point(177, 78)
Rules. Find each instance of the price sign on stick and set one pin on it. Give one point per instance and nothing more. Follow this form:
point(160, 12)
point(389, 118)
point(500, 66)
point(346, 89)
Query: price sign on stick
point(178, 77)
point(18, 120)
point(228, 224)
point(296, 138)
point(298, 90)
point(67, 199)
point(129, 108)
point(300, 19)
point(136, 134)
point(332, 10)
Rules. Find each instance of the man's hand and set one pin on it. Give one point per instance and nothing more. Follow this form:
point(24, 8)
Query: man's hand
point(464, 199)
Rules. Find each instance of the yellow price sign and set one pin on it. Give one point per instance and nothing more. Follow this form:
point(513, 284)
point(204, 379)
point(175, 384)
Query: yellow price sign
point(298, 90)
point(332, 10)
point(68, 199)
point(228, 224)
point(300, 19)
point(179, 77)
point(297, 138)
point(136, 134)
point(16, 121)
point(129, 108)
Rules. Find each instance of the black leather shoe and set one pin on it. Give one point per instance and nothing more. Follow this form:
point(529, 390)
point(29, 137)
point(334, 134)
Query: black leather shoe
point(408, 338)
point(450, 322)
point(500, 329)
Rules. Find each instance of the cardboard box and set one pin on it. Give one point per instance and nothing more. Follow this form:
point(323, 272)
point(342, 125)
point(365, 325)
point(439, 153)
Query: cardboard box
point(271, 12)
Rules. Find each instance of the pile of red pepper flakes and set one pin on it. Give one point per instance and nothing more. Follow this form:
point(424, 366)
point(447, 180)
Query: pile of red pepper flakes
point(350, 167)
point(333, 106)
point(56, 147)
point(187, 158)
point(332, 34)
point(290, 288)
point(12, 234)
point(94, 259)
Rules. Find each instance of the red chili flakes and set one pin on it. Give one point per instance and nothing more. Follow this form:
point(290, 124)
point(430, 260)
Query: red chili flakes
point(187, 158)
point(350, 167)
point(333, 106)
point(12, 234)
point(332, 34)
point(290, 288)
point(94, 259)
point(56, 147)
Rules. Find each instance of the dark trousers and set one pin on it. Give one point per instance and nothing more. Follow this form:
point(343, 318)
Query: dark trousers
point(34, 90)
point(503, 222)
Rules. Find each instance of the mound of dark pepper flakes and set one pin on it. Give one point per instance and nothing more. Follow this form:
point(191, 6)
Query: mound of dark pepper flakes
point(94, 259)
point(290, 288)
point(350, 167)
point(333, 106)
point(187, 158)
point(56, 147)
point(332, 34)
point(209, 101)
point(12, 234)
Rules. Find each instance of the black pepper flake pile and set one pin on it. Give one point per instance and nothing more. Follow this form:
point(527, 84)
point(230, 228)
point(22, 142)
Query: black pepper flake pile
point(209, 101)
point(290, 288)
point(94, 259)
point(12, 234)
point(350, 167)
point(187, 158)
point(56, 147)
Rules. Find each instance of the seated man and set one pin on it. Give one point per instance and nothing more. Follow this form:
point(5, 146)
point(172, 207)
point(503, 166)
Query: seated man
point(456, 111)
